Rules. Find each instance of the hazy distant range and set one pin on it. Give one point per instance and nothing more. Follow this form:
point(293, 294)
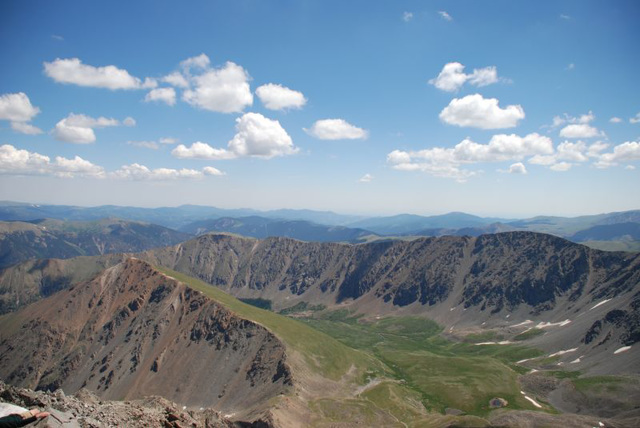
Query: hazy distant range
point(610, 231)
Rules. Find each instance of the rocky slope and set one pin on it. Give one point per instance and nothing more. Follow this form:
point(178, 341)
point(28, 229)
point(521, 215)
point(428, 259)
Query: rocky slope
point(85, 409)
point(505, 280)
point(580, 298)
point(132, 332)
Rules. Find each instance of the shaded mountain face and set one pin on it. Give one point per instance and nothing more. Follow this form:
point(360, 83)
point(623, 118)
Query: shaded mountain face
point(133, 332)
point(20, 241)
point(261, 227)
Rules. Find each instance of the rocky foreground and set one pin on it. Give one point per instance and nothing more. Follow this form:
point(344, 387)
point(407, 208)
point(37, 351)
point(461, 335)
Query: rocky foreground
point(85, 409)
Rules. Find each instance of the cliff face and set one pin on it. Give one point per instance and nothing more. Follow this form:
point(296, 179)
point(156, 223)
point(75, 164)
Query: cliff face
point(491, 272)
point(133, 332)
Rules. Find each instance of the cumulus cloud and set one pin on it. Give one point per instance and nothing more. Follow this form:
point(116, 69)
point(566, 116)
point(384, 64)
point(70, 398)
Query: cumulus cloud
point(577, 127)
point(224, 90)
point(445, 15)
point(176, 79)
point(17, 109)
point(407, 16)
point(622, 153)
point(278, 97)
point(452, 77)
point(25, 128)
point(79, 128)
point(635, 119)
point(580, 130)
point(73, 71)
point(561, 166)
point(165, 95)
point(201, 61)
point(448, 162)
point(336, 129)
point(138, 172)
point(615, 120)
point(517, 168)
point(256, 136)
point(478, 112)
point(15, 161)
point(568, 154)
point(22, 162)
point(367, 178)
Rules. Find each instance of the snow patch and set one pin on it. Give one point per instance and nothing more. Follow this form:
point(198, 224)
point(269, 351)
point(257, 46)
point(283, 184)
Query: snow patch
point(523, 323)
point(601, 303)
point(563, 352)
point(623, 349)
point(524, 361)
point(577, 360)
point(504, 342)
point(553, 324)
point(535, 403)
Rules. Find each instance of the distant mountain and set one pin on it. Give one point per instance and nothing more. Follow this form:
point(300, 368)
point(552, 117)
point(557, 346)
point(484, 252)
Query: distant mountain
point(173, 217)
point(406, 224)
point(569, 226)
point(20, 241)
point(609, 232)
point(261, 227)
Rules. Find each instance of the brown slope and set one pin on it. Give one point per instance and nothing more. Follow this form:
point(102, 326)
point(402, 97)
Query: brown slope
point(133, 332)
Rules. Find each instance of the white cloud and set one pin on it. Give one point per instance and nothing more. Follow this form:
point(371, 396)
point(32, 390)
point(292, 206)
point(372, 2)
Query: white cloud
point(580, 130)
point(336, 129)
point(278, 97)
point(25, 128)
point(630, 167)
point(168, 140)
point(166, 95)
point(139, 172)
point(445, 15)
point(447, 162)
point(561, 167)
point(224, 90)
point(367, 178)
point(635, 119)
point(452, 77)
point(517, 168)
point(615, 120)
point(22, 162)
point(79, 128)
point(57, 37)
point(17, 108)
point(199, 150)
point(73, 71)
point(567, 119)
point(571, 66)
point(565, 17)
point(257, 136)
point(144, 144)
point(407, 16)
point(478, 112)
point(176, 79)
point(209, 170)
point(201, 61)
point(622, 153)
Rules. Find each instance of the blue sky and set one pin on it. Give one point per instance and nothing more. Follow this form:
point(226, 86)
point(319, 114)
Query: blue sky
point(368, 107)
